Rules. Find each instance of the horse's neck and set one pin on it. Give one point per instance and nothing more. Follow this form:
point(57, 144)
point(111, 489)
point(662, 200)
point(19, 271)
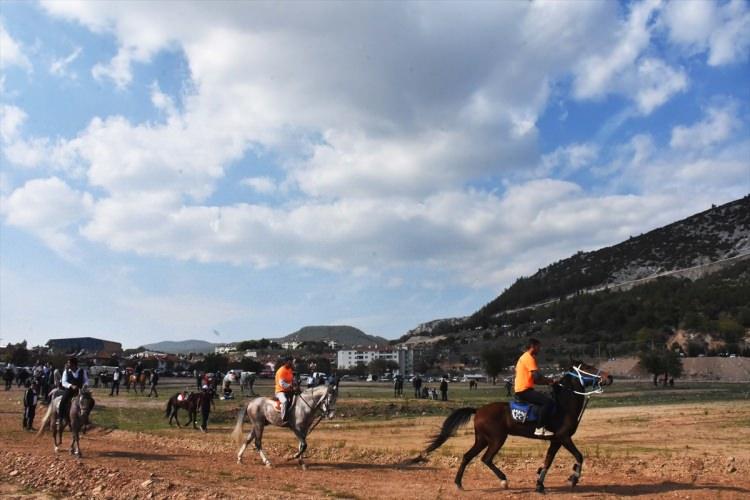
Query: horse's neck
point(315, 394)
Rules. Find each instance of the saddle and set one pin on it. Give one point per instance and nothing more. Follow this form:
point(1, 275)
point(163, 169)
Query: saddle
point(277, 403)
point(524, 412)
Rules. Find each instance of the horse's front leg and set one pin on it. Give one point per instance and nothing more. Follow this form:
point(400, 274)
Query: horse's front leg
point(542, 472)
point(578, 467)
point(56, 431)
point(301, 448)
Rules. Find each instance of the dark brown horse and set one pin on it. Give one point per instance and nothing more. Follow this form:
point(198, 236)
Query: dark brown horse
point(493, 423)
point(189, 403)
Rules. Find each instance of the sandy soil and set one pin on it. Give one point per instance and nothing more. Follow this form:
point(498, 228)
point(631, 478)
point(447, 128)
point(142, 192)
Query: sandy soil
point(676, 451)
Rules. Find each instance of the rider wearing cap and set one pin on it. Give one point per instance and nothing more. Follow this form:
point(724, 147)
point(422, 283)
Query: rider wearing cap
point(73, 378)
point(527, 375)
point(284, 386)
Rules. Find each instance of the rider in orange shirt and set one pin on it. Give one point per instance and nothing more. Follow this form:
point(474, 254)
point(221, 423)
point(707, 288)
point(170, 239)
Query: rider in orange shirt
point(527, 374)
point(284, 386)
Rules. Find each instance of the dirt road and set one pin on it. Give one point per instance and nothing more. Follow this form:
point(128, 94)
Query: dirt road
point(676, 451)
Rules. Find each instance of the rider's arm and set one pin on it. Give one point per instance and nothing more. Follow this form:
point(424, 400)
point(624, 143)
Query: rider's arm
point(541, 379)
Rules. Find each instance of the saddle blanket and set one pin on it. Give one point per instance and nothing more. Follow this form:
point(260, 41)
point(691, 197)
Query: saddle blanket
point(524, 412)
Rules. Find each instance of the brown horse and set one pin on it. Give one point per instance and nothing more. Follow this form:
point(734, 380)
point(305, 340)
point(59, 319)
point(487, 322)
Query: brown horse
point(137, 382)
point(493, 423)
point(190, 403)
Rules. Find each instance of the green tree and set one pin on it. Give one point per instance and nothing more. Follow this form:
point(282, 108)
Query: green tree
point(671, 364)
point(652, 363)
point(730, 329)
point(494, 361)
point(320, 364)
point(18, 354)
point(251, 365)
point(380, 366)
point(214, 363)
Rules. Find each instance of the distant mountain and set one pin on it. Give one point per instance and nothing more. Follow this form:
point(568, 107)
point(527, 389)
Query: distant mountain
point(342, 334)
point(181, 346)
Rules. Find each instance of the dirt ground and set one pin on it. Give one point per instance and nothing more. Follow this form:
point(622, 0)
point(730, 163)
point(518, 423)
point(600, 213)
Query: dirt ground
point(675, 451)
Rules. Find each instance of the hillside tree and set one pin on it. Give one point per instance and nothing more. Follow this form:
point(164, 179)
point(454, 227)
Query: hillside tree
point(494, 361)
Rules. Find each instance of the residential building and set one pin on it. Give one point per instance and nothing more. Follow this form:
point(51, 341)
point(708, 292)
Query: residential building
point(346, 359)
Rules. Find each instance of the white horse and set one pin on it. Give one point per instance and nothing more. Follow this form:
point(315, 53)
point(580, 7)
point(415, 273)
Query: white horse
point(247, 379)
point(310, 406)
point(77, 417)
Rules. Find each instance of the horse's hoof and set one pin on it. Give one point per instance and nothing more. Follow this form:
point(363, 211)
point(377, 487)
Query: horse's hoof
point(504, 484)
point(57, 450)
point(573, 481)
point(459, 487)
point(268, 465)
point(304, 466)
point(540, 488)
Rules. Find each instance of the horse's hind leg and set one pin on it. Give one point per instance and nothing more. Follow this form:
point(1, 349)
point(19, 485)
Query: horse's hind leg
point(542, 472)
point(578, 467)
point(250, 438)
point(479, 445)
point(489, 455)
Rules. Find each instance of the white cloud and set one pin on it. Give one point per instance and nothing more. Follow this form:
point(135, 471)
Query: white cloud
point(718, 126)
point(49, 209)
point(59, 67)
point(566, 160)
point(118, 69)
point(11, 120)
point(722, 29)
point(597, 75)
point(622, 68)
point(262, 185)
point(11, 52)
point(657, 83)
point(379, 127)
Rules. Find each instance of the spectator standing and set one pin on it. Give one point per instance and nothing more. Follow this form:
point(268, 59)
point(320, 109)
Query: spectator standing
point(30, 399)
point(115, 382)
point(154, 380)
point(444, 389)
point(207, 399)
point(417, 383)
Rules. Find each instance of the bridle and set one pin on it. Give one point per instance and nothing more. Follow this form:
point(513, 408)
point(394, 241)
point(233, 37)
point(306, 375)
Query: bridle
point(324, 403)
point(586, 378)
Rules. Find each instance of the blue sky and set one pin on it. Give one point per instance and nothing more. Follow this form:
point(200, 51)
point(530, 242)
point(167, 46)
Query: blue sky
point(239, 170)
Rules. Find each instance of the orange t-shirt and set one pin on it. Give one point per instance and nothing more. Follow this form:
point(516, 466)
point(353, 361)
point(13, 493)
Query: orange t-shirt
point(285, 374)
point(525, 365)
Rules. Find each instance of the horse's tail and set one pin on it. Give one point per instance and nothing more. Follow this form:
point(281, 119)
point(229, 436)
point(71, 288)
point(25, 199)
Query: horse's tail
point(45, 420)
point(169, 407)
point(237, 432)
point(455, 420)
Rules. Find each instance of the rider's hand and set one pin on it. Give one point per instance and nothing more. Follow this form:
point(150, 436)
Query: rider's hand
point(73, 387)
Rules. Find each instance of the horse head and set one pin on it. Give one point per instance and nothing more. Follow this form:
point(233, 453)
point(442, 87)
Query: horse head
point(86, 403)
point(329, 400)
point(588, 376)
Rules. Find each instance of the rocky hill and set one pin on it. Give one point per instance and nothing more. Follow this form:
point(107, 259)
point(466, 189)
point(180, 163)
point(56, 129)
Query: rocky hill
point(341, 334)
point(714, 235)
point(614, 301)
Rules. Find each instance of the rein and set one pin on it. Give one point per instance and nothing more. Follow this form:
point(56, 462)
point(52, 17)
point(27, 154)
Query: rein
point(584, 377)
point(314, 407)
